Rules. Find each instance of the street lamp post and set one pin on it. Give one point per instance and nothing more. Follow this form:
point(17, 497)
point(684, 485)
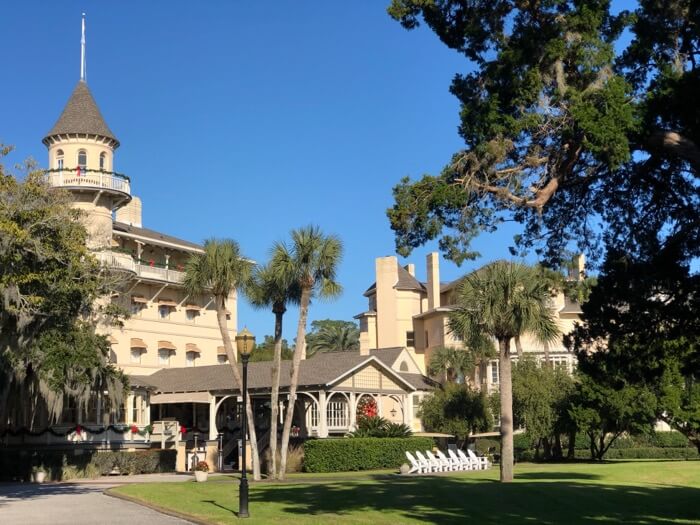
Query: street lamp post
point(245, 342)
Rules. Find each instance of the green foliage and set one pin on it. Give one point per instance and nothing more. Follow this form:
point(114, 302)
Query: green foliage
point(265, 351)
point(646, 453)
point(457, 410)
point(64, 465)
point(378, 427)
point(340, 455)
point(49, 286)
point(329, 335)
point(563, 126)
point(454, 364)
point(604, 413)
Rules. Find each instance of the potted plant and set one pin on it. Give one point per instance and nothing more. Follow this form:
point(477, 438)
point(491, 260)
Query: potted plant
point(201, 470)
point(38, 474)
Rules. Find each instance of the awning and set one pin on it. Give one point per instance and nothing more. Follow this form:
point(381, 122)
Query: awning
point(220, 350)
point(112, 340)
point(191, 347)
point(138, 299)
point(432, 435)
point(193, 307)
point(166, 345)
point(138, 343)
point(167, 302)
point(180, 397)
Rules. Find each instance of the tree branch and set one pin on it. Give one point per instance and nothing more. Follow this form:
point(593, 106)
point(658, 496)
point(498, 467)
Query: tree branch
point(676, 145)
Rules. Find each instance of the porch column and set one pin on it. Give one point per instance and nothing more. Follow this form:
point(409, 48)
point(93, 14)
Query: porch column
point(130, 408)
point(322, 415)
point(146, 404)
point(213, 433)
point(353, 411)
point(408, 410)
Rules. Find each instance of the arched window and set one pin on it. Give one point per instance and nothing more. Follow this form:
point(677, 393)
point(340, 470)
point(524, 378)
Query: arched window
point(82, 159)
point(403, 367)
point(59, 159)
point(103, 161)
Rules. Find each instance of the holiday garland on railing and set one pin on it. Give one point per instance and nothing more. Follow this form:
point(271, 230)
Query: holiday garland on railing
point(89, 170)
point(79, 429)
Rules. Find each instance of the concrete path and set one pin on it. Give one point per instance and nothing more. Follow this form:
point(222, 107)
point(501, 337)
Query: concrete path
point(73, 504)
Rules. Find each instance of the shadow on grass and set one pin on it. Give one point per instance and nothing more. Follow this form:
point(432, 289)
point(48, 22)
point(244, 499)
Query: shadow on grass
point(457, 500)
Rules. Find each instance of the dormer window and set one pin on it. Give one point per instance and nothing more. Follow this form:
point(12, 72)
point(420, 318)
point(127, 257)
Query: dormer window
point(103, 161)
point(59, 159)
point(82, 159)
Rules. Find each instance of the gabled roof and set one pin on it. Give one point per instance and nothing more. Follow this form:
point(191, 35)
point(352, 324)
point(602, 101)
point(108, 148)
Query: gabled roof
point(405, 282)
point(322, 369)
point(388, 356)
point(120, 227)
point(81, 115)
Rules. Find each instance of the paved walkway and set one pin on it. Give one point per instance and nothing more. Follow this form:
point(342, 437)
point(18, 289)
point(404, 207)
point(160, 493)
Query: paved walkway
point(73, 504)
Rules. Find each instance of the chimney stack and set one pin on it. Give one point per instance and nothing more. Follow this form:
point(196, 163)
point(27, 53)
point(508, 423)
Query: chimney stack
point(411, 269)
point(433, 270)
point(131, 213)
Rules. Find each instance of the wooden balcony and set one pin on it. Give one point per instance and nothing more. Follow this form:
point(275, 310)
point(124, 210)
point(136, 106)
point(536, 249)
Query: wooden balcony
point(125, 262)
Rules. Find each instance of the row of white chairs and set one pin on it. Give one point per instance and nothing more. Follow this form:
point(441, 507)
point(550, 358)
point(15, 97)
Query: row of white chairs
point(439, 462)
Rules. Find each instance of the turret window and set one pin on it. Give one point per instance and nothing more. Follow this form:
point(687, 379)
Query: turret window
point(103, 161)
point(59, 159)
point(82, 159)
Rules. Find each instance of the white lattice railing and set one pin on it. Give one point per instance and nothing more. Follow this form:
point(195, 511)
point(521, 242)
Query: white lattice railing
point(105, 180)
point(124, 261)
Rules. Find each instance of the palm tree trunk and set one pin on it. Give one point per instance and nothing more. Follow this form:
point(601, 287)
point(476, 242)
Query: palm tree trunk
point(518, 347)
point(546, 354)
point(299, 350)
point(274, 396)
point(506, 389)
point(226, 337)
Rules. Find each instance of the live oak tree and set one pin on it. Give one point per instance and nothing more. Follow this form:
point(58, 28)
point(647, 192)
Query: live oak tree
point(49, 290)
point(578, 137)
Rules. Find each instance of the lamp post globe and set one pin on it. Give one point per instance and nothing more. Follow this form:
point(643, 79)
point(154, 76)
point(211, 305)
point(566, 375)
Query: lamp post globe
point(245, 343)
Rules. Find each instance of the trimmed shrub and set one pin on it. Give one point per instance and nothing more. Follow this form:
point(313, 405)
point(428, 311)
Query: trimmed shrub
point(485, 447)
point(645, 453)
point(346, 454)
point(71, 464)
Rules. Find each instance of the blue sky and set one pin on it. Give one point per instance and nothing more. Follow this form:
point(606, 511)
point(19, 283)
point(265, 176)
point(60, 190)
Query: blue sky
point(248, 119)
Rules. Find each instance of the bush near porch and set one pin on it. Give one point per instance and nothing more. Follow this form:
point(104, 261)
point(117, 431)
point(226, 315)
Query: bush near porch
point(63, 465)
point(346, 454)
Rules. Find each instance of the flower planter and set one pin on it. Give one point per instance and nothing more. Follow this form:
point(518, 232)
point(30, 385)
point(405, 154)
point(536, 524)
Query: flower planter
point(200, 476)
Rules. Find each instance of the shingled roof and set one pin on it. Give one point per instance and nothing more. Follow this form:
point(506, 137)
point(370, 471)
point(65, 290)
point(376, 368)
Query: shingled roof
point(405, 282)
point(81, 115)
point(318, 370)
point(120, 227)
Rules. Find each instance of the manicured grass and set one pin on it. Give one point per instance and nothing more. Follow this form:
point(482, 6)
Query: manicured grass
point(649, 492)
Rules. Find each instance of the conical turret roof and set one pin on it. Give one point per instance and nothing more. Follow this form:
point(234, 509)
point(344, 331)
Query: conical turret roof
point(81, 115)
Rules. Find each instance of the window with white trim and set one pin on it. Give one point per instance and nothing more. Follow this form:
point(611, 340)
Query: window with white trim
point(337, 414)
point(164, 311)
point(495, 379)
point(164, 356)
point(136, 356)
point(103, 161)
point(82, 159)
point(59, 159)
point(191, 358)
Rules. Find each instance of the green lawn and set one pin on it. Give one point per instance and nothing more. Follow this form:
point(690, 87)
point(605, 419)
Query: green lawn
point(648, 492)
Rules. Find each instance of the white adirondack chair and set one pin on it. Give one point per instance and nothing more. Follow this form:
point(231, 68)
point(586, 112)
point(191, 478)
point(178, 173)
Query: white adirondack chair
point(482, 460)
point(451, 465)
point(464, 464)
point(441, 467)
point(415, 466)
point(473, 464)
point(427, 465)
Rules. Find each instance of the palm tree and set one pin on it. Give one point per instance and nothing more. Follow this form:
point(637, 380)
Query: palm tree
point(313, 259)
point(504, 300)
point(452, 363)
point(221, 270)
point(271, 288)
point(337, 337)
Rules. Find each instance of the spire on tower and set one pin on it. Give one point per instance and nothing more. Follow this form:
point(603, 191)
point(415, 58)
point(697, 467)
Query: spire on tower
point(83, 69)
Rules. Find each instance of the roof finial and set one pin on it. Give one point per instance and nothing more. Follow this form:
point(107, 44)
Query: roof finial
point(83, 69)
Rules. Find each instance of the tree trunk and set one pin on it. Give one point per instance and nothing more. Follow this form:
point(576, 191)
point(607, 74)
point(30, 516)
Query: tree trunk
point(518, 348)
point(228, 345)
point(556, 449)
point(546, 354)
point(299, 351)
point(274, 395)
point(506, 389)
point(571, 454)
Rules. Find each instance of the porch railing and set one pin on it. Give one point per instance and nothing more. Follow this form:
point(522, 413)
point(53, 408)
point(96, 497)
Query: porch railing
point(103, 180)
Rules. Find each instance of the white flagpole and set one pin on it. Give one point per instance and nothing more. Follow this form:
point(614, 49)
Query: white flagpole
point(82, 52)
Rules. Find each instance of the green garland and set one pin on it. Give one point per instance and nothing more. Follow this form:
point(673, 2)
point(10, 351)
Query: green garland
point(89, 170)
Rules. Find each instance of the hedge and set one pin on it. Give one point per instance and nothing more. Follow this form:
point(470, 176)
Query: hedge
point(662, 439)
point(346, 454)
point(61, 465)
point(645, 453)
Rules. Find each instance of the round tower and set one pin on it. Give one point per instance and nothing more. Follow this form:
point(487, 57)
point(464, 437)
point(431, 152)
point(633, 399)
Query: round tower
point(81, 160)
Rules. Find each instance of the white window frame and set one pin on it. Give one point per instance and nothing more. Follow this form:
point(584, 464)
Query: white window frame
point(135, 356)
point(162, 360)
point(81, 166)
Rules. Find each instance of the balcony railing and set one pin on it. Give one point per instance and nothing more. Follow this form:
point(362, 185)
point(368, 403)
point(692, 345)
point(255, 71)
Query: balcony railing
point(123, 261)
point(84, 178)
